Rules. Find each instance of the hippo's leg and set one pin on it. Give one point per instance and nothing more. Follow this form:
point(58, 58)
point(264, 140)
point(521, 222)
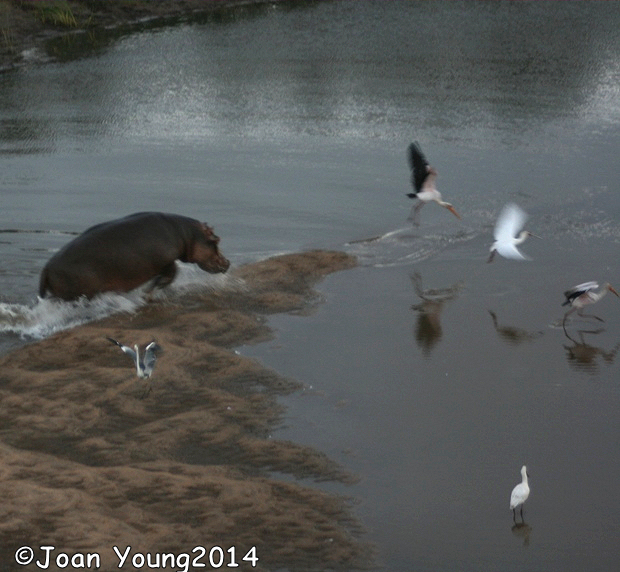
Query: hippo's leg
point(163, 279)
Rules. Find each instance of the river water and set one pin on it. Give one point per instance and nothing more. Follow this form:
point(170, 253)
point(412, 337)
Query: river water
point(428, 373)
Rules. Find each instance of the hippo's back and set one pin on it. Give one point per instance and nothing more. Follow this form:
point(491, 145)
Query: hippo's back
point(138, 230)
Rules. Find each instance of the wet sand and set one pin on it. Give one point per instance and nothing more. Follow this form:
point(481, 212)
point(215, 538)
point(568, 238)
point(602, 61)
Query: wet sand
point(88, 464)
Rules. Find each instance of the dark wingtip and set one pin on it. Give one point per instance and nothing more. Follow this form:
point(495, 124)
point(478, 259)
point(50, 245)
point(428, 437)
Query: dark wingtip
point(412, 195)
point(414, 147)
point(417, 160)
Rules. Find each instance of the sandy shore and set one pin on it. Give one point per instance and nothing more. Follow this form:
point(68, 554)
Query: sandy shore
point(26, 25)
point(88, 464)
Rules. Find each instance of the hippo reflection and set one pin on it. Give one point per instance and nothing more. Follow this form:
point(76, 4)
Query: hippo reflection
point(122, 254)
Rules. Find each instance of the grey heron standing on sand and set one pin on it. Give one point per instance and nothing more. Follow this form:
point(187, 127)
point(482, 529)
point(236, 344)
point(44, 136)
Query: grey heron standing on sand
point(509, 222)
point(423, 180)
point(144, 368)
point(582, 295)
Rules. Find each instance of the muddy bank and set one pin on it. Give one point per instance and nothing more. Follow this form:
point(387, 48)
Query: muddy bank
point(87, 464)
point(29, 25)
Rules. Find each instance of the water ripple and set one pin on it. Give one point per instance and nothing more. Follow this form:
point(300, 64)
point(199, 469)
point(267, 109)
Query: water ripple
point(405, 245)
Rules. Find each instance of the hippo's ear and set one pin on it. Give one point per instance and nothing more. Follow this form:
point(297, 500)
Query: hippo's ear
point(209, 234)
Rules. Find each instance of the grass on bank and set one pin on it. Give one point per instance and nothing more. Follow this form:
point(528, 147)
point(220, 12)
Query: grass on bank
point(52, 12)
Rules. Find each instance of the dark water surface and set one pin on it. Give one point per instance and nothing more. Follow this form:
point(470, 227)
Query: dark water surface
point(285, 128)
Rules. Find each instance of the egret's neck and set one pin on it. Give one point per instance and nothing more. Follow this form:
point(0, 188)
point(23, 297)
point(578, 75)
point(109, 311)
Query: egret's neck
point(522, 236)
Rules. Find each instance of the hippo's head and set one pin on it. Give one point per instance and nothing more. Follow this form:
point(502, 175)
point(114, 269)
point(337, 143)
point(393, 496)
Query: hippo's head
point(206, 253)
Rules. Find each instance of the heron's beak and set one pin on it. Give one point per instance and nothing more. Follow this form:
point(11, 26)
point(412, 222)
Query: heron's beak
point(451, 209)
point(535, 235)
point(612, 290)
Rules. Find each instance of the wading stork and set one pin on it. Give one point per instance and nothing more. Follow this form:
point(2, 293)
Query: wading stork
point(584, 294)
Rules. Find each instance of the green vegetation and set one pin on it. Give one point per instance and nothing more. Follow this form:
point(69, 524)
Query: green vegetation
point(55, 12)
point(8, 39)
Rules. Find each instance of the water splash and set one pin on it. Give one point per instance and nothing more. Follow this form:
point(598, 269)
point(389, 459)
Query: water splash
point(48, 316)
point(192, 280)
point(404, 246)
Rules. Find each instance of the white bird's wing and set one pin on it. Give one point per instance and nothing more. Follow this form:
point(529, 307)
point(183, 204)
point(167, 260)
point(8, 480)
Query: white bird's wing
point(518, 496)
point(580, 289)
point(509, 250)
point(150, 357)
point(509, 223)
point(584, 287)
point(131, 353)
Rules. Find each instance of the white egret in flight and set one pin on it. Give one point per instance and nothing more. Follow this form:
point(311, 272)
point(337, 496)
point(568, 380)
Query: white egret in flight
point(423, 180)
point(519, 494)
point(584, 294)
point(509, 222)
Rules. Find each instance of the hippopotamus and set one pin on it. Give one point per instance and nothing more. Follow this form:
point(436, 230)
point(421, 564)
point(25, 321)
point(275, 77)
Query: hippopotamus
point(122, 254)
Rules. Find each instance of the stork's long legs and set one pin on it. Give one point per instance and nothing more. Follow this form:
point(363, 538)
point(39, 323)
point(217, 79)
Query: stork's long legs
point(415, 212)
point(580, 314)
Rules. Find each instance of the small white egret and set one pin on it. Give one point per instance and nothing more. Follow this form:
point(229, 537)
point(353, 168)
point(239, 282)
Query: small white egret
point(520, 493)
point(423, 180)
point(584, 294)
point(144, 369)
point(509, 222)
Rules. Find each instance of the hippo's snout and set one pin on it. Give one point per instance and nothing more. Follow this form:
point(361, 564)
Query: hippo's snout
point(214, 265)
point(206, 253)
point(224, 264)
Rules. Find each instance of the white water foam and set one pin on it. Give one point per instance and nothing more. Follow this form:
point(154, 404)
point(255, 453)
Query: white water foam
point(404, 246)
point(48, 316)
point(190, 279)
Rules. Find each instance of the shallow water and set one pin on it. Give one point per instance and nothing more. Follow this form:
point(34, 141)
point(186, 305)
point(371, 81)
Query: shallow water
point(295, 137)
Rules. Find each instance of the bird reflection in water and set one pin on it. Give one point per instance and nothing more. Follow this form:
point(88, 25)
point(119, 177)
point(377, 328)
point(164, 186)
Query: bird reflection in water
point(584, 357)
point(522, 530)
point(514, 336)
point(428, 332)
